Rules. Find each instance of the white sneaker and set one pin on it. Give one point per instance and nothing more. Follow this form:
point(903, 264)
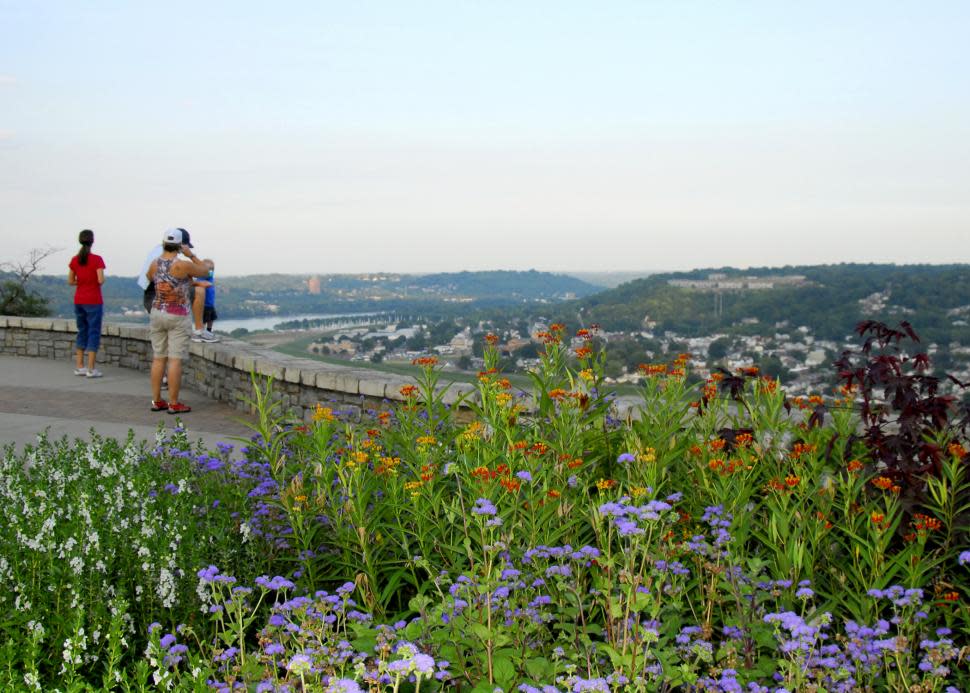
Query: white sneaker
point(94, 374)
point(204, 336)
point(80, 371)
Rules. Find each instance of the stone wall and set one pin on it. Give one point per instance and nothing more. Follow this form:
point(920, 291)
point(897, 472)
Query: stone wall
point(223, 370)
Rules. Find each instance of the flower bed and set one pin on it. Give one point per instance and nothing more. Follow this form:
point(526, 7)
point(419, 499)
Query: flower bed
point(727, 539)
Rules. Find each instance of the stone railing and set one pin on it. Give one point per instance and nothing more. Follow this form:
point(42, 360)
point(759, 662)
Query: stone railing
point(222, 370)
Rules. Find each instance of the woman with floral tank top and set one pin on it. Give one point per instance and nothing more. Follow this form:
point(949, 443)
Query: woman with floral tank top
point(171, 324)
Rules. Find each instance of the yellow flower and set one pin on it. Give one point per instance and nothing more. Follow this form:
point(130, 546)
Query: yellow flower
point(503, 398)
point(647, 456)
point(637, 491)
point(322, 413)
point(586, 374)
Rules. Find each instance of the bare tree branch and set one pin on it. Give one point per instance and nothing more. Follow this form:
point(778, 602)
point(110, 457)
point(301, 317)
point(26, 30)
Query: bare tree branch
point(24, 269)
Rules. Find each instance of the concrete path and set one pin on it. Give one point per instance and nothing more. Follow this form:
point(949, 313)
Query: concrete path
point(38, 394)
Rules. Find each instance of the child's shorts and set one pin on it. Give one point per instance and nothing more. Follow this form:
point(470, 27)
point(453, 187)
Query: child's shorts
point(209, 314)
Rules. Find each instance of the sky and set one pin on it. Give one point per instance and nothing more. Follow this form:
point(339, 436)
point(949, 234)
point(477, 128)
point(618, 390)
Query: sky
point(444, 135)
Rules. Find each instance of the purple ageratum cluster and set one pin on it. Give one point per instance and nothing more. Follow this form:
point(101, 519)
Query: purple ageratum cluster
point(211, 575)
point(628, 519)
point(964, 558)
point(483, 506)
point(277, 583)
point(172, 650)
point(937, 654)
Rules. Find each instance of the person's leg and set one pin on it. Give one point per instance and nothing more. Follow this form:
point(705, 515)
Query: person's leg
point(174, 379)
point(95, 315)
point(158, 369)
point(177, 347)
point(198, 305)
point(81, 321)
point(158, 331)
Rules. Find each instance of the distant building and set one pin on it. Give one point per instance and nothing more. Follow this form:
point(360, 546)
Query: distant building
point(313, 285)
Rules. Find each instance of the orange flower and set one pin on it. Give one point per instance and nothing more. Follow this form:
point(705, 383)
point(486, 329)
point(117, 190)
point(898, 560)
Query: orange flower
point(792, 480)
point(557, 393)
point(750, 371)
point(882, 482)
point(816, 400)
point(409, 390)
point(575, 463)
point(716, 445)
point(584, 333)
point(743, 440)
point(557, 327)
point(583, 352)
point(715, 464)
point(605, 484)
point(491, 339)
point(776, 485)
point(652, 369)
point(519, 445)
point(425, 361)
point(482, 473)
point(957, 450)
point(553, 493)
point(925, 523)
point(768, 385)
point(799, 449)
point(538, 448)
point(511, 485)
point(855, 465)
point(820, 516)
point(878, 519)
point(676, 372)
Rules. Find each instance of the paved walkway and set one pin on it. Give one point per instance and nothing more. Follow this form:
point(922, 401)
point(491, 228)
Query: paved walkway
point(38, 394)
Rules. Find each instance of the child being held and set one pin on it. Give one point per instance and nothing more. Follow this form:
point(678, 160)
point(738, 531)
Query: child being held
point(209, 314)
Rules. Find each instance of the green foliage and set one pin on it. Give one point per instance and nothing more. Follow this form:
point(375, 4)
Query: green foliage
point(17, 299)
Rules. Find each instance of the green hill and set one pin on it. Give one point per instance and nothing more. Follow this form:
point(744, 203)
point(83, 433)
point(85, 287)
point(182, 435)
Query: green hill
point(830, 300)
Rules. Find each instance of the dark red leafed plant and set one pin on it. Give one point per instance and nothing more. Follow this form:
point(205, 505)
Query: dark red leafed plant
point(904, 416)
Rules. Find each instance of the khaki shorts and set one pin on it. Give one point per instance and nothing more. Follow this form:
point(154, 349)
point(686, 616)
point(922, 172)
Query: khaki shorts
point(170, 334)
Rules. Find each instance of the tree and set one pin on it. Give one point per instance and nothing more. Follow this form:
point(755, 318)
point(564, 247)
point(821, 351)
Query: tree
point(15, 297)
point(718, 349)
point(464, 362)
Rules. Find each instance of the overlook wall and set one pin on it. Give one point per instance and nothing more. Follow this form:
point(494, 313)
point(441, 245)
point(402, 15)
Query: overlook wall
point(223, 370)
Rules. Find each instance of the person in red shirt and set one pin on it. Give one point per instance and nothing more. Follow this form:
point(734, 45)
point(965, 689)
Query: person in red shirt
point(86, 272)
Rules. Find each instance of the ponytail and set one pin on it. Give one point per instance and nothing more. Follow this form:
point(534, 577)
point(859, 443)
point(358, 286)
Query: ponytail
point(86, 239)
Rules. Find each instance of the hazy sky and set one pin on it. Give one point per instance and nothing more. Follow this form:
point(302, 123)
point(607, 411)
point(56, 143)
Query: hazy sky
point(428, 135)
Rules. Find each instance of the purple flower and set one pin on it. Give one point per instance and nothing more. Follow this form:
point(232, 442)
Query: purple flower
point(524, 476)
point(483, 506)
point(626, 457)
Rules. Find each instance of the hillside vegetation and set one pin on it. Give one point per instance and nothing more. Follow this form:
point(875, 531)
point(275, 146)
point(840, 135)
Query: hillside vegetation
point(831, 298)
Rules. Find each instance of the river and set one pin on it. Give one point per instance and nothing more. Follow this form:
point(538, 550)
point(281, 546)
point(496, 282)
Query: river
point(271, 321)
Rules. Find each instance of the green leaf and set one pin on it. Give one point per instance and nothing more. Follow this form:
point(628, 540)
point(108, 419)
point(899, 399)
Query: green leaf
point(504, 670)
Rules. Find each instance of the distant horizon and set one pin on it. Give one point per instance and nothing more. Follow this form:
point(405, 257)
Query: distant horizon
point(573, 273)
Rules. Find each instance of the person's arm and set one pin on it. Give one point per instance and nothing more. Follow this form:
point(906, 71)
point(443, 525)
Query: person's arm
point(150, 273)
point(193, 266)
point(71, 277)
point(101, 275)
